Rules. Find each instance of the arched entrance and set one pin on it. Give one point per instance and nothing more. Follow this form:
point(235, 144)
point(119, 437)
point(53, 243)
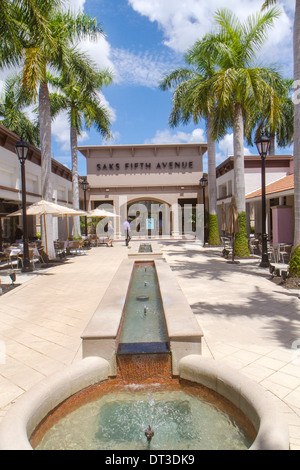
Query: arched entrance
point(149, 218)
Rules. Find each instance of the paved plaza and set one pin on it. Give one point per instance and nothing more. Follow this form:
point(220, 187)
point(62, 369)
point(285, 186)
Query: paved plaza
point(249, 323)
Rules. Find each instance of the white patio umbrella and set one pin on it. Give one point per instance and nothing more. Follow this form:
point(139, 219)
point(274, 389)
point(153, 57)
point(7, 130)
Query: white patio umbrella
point(69, 212)
point(43, 208)
point(101, 213)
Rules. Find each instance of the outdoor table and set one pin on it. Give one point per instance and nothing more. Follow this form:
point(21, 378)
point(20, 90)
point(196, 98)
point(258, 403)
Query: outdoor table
point(68, 244)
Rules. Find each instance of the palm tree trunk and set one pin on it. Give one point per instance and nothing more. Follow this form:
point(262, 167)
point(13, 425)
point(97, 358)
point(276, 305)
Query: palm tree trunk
point(241, 248)
point(75, 183)
point(238, 149)
point(45, 136)
point(272, 144)
point(297, 127)
point(214, 237)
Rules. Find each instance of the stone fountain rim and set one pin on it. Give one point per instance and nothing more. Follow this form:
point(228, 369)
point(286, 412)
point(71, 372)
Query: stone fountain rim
point(34, 405)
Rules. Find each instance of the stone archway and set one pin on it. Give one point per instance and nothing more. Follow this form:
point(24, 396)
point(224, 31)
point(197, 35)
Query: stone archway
point(149, 217)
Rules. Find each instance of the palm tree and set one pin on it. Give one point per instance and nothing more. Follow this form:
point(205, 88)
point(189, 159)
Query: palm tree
point(281, 131)
point(17, 18)
point(56, 50)
point(13, 104)
point(238, 86)
point(192, 100)
point(84, 107)
point(296, 50)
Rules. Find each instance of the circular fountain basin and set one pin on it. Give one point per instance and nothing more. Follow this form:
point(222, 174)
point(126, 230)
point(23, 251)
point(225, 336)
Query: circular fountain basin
point(26, 416)
point(180, 419)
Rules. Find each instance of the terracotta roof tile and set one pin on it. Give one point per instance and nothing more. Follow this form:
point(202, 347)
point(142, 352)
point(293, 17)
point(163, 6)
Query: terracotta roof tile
point(284, 184)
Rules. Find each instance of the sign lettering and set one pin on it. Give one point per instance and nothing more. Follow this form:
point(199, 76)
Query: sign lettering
point(145, 166)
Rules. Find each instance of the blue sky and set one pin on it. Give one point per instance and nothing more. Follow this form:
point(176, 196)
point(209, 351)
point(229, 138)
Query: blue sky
point(144, 40)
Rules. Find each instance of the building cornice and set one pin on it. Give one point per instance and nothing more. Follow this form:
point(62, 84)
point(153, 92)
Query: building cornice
point(254, 161)
point(8, 140)
point(154, 148)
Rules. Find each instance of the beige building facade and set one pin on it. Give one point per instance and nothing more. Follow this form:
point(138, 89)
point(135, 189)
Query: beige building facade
point(11, 188)
point(156, 187)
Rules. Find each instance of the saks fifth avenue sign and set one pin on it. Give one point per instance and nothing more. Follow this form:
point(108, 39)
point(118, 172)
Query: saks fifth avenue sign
point(145, 166)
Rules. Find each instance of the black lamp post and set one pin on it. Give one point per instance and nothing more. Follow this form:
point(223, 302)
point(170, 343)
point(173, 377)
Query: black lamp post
point(85, 186)
point(203, 183)
point(263, 145)
point(22, 150)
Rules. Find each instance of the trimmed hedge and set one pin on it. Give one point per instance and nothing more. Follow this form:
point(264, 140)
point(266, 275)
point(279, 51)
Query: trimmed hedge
point(241, 248)
point(214, 237)
point(295, 262)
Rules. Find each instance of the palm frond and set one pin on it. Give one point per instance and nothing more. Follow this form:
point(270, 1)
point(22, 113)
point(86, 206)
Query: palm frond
point(268, 3)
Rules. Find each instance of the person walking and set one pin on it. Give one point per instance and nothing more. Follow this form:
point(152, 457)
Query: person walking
point(110, 232)
point(126, 227)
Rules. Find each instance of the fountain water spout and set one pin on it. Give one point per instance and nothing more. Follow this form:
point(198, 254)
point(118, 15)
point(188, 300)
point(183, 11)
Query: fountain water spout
point(149, 433)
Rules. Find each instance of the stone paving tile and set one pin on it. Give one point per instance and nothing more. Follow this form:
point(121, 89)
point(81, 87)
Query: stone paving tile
point(248, 322)
point(241, 311)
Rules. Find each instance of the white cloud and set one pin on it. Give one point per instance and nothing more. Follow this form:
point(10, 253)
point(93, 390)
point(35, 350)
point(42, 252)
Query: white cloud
point(225, 147)
point(61, 127)
point(189, 20)
point(75, 5)
point(110, 109)
point(61, 132)
point(166, 137)
point(140, 69)
point(99, 51)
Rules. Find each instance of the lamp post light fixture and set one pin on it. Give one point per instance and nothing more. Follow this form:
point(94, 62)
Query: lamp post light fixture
point(263, 145)
point(22, 151)
point(85, 186)
point(203, 183)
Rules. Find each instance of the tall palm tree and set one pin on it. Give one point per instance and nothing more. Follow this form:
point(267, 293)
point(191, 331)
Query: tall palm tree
point(56, 50)
point(13, 115)
point(296, 50)
point(238, 86)
point(17, 18)
point(192, 100)
point(281, 131)
point(84, 108)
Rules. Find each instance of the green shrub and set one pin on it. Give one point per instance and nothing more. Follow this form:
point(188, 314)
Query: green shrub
point(241, 248)
point(214, 237)
point(295, 262)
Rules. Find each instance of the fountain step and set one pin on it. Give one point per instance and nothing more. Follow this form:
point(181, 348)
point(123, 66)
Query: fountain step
point(143, 348)
point(139, 368)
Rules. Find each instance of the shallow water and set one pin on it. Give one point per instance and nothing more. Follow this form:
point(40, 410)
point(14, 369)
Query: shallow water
point(145, 248)
point(144, 320)
point(117, 421)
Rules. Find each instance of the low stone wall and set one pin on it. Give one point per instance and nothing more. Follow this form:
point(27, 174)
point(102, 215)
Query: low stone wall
point(249, 397)
point(32, 407)
point(184, 333)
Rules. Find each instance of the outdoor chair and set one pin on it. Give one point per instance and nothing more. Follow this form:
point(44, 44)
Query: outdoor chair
point(94, 240)
point(227, 246)
point(6, 258)
point(285, 253)
point(31, 257)
point(272, 252)
point(254, 246)
point(59, 247)
point(76, 246)
point(42, 255)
